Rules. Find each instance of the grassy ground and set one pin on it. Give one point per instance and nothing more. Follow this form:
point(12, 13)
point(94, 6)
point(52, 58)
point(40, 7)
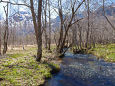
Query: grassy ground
point(105, 51)
point(19, 68)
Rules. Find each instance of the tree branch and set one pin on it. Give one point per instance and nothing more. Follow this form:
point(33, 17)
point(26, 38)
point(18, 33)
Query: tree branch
point(109, 22)
point(76, 21)
point(14, 3)
point(106, 16)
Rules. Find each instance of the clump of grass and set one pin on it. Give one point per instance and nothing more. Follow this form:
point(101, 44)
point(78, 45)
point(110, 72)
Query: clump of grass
point(15, 55)
point(55, 65)
point(105, 51)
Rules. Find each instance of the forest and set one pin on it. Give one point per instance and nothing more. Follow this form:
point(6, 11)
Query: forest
point(57, 43)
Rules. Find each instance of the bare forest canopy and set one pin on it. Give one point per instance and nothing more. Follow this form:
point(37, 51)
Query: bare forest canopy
point(81, 23)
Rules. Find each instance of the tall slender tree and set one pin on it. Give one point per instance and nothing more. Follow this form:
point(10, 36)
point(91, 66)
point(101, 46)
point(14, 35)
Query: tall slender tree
point(6, 30)
point(0, 38)
point(88, 25)
point(49, 41)
point(37, 27)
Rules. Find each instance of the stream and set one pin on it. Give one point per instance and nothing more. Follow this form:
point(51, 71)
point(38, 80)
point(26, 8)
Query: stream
point(83, 70)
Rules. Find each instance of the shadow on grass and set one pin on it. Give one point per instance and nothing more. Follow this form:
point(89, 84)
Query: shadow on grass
point(1, 79)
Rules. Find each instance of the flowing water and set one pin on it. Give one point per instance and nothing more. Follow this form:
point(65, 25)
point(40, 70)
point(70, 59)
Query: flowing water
point(83, 70)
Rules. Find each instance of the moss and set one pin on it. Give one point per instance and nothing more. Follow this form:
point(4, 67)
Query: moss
point(105, 51)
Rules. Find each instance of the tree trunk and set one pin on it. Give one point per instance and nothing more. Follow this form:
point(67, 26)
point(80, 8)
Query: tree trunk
point(59, 50)
point(39, 52)
point(6, 31)
point(37, 27)
point(0, 38)
point(49, 42)
point(34, 20)
point(45, 27)
point(87, 37)
point(80, 35)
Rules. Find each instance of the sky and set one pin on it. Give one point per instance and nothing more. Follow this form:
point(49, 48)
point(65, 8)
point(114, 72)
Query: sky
point(21, 8)
point(2, 13)
point(14, 8)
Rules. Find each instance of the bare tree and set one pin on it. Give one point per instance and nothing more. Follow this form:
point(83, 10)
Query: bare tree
point(66, 23)
point(6, 30)
point(37, 27)
point(88, 25)
point(0, 37)
point(49, 41)
point(45, 25)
